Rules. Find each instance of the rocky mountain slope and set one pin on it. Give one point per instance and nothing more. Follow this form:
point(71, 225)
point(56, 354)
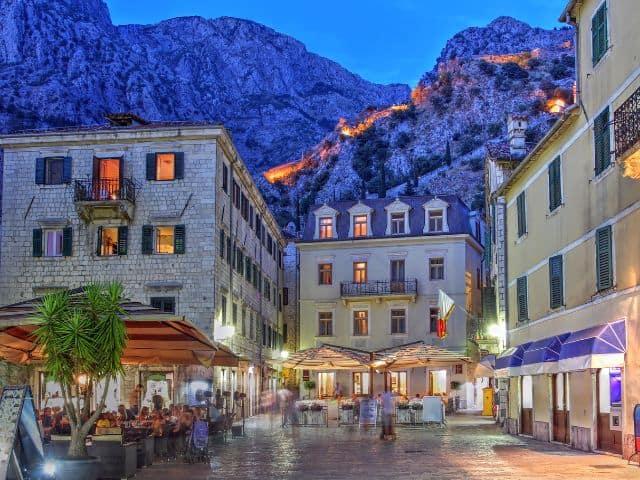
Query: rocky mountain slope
point(435, 142)
point(63, 62)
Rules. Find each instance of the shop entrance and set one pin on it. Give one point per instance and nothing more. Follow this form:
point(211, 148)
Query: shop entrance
point(609, 388)
point(560, 396)
point(526, 416)
point(326, 383)
point(437, 382)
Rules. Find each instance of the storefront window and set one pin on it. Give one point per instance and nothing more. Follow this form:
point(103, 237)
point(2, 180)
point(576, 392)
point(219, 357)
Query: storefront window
point(527, 392)
point(326, 382)
point(398, 382)
point(360, 383)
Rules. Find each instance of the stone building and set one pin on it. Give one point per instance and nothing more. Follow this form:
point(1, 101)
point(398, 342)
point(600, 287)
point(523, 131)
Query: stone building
point(370, 272)
point(169, 210)
point(571, 226)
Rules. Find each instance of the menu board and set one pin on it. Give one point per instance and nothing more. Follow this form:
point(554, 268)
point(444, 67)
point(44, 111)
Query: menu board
point(20, 443)
point(368, 412)
point(432, 409)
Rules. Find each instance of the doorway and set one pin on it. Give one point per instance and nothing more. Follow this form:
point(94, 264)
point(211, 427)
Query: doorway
point(609, 388)
point(397, 276)
point(326, 383)
point(560, 395)
point(107, 176)
point(526, 420)
point(437, 382)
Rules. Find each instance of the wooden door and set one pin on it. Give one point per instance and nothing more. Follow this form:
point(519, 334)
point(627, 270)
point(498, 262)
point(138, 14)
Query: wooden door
point(608, 440)
point(560, 410)
point(526, 411)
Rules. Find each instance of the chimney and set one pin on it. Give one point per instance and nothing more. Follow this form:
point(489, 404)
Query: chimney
point(125, 119)
point(516, 127)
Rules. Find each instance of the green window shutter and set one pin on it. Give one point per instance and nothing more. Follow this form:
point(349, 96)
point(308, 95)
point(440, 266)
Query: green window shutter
point(602, 141)
point(99, 242)
point(66, 170)
point(604, 259)
point(556, 293)
point(222, 243)
point(151, 166)
point(123, 239)
point(555, 185)
point(147, 239)
point(178, 165)
point(37, 242)
point(522, 215)
point(595, 44)
point(523, 304)
point(179, 232)
point(67, 241)
point(40, 171)
point(599, 37)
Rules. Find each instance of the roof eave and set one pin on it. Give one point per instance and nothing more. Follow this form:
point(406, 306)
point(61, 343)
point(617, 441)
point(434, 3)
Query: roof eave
point(567, 10)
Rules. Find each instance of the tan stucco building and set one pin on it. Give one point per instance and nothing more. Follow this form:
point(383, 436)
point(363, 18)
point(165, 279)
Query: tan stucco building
point(569, 236)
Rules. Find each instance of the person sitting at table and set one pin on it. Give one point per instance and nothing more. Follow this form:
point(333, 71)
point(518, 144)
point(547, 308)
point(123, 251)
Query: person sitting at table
point(63, 427)
point(157, 425)
point(123, 414)
point(144, 414)
point(103, 421)
point(47, 421)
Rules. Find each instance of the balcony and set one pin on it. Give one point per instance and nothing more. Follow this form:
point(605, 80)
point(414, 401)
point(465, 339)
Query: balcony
point(100, 199)
point(379, 289)
point(627, 135)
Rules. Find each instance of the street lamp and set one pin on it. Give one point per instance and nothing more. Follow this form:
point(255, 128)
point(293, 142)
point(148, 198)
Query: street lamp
point(284, 354)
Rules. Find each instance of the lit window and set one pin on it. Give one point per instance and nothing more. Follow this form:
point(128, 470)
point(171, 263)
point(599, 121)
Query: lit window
point(359, 272)
point(53, 243)
point(360, 226)
point(109, 241)
point(165, 166)
point(164, 239)
point(436, 268)
point(360, 323)
point(398, 321)
point(397, 223)
point(325, 273)
point(360, 383)
point(325, 324)
point(398, 382)
point(326, 227)
point(435, 220)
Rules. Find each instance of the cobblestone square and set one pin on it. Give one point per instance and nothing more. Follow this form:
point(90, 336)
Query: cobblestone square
point(467, 448)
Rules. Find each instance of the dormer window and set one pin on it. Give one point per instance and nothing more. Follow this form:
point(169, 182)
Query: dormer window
point(397, 223)
point(326, 227)
point(435, 220)
point(359, 225)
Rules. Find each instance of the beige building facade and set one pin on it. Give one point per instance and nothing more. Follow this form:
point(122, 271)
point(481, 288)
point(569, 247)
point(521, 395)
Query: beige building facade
point(571, 228)
point(370, 272)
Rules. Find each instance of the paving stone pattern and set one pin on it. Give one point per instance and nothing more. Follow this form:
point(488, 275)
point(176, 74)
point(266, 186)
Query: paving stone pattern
point(467, 448)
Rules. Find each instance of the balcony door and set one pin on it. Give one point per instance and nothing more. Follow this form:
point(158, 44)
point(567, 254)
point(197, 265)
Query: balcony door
point(107, 175)
point(397, 276)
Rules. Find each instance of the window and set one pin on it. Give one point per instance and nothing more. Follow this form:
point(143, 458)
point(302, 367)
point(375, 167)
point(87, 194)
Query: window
point(236, 194)
point(222, 243)
point(267, 289)
point(251, 328)
point(250, 216)
point(285, 332)
point(599, 35)
point(225, 178)
point(435, 220)
point(434, 314)
point(478, 278)
point(112, 241)
point(556, 296)
point(398, 382)
point(397, 223)
point(52, 242)
point(223, 309)
point(359, 225)
point(326, 227)
point(555, 185)
point(325, 274)
point(398, 321)
point(164, 304)
point(53, 170)
point(436, 268)
point(234, 314)
point(165, 166)
point(247, 268)
point(361, 322)
point(269, 244)
point(458, 369)
point(604, 259)
point(257, 225)
point(244, 206)
point(244, 322)
point(523, 303)
point(522, 215)
point(285, 296)
point(360, 383)
point(163, 239)
point(602, 141)
point(325, 324)
point(360, 272)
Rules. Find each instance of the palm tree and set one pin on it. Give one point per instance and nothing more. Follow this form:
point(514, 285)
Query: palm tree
point(82, 338)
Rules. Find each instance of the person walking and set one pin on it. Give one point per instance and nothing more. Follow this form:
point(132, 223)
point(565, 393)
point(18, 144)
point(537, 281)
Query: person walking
point(387, 416)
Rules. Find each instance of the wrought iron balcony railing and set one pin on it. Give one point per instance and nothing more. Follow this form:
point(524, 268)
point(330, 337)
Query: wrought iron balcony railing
point(379, 288)
point(105, 190)
point(627, 125)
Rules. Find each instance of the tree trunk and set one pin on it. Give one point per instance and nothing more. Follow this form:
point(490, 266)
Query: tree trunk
point(77, 447)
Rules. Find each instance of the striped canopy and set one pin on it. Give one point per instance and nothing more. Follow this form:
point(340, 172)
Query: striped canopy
point(153, 337)
point(328, 357)
point(415, 354)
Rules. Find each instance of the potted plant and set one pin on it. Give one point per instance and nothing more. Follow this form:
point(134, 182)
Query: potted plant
point(309, 385)
point(455, 385)
point(82, 339)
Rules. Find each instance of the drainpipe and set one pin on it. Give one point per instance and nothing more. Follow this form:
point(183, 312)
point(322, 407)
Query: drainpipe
point(576, 42)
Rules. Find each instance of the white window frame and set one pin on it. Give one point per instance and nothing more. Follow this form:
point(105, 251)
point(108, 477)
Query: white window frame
point(393, 308)
point(332, 323)
point(57, 246)
point(358, 308)
point(444, 268)
point(357, 210)
point(398, 207)
point(324, 212)
point(434, 205)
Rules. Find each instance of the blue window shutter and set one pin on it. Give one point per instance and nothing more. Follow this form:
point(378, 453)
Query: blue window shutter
point(37, 242)
point(147, 239)
point(179, 239)
point(66, 170)
point(67, 242)
point(178, 165)
point(151, 166)
point(123, 239)
point(40, 171)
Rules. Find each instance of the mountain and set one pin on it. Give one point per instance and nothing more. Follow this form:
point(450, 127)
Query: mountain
point(63, 62)
point(435, 142)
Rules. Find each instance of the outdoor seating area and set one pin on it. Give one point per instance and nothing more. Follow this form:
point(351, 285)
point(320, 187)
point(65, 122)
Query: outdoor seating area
point(312, 413)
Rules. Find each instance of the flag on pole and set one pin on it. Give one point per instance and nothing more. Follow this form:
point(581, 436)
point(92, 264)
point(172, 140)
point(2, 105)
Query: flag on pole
point(445, 307)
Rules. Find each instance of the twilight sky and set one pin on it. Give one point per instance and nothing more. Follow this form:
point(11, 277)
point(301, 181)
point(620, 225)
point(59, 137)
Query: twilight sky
point(383, 41)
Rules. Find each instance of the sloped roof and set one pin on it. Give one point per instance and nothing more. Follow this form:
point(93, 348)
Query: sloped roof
point(502, 151)
point(457, 214)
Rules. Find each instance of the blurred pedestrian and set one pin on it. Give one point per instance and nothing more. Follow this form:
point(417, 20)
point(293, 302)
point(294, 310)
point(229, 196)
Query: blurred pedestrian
point(387, 416)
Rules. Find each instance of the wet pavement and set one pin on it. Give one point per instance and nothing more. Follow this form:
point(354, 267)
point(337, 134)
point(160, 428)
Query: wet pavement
point(467, 448)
